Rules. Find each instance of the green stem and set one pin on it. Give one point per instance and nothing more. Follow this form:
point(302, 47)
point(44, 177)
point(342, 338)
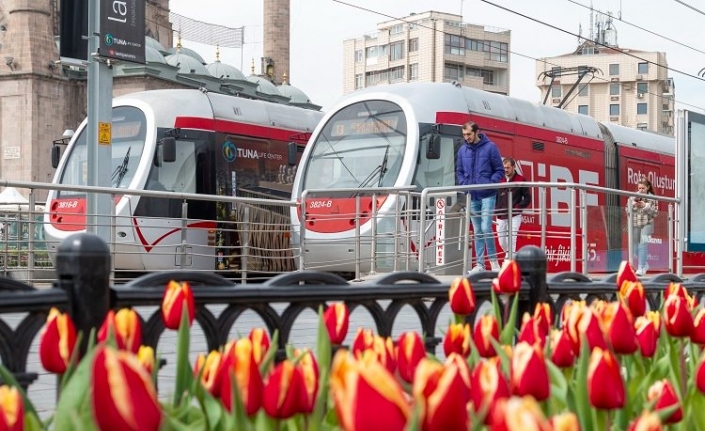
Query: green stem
point(683, 373)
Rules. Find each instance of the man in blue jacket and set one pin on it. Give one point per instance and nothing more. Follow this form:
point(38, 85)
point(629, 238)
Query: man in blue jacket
point(478, 162)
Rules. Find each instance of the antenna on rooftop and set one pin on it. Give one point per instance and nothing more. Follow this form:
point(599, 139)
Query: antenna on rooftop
point(592, 22)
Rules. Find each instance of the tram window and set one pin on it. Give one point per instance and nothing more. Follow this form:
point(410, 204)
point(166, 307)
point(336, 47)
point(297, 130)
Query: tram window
point(436, 172)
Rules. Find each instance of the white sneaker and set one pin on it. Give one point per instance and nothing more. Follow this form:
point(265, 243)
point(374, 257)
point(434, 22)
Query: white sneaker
point(495, 266)
point(640, 272)
point(477, 269)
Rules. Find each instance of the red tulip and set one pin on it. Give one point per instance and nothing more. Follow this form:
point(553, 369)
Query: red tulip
point(57, 342)
point(410, 350)
point(604, 381)
point(562, 353)
point(519, 414)
point(488, 385)
point(260, 343)
point(531, 332)
point(664, 396)
point(443, 395)
point(543, 315)
point(208, 368)
point(567, 421)
point(284, 393)
point(698, 334)
point(242, 370)
point(176, 295)
point(583, 321)
point(360, 387)
point(145, 355)
point(364, 339)
point(648, 331)
point(676, 317)
point(625, 273)
point(461, 297)
point(619, 326)
point(677, 289)
point(457, 339)
point(123, 396)
point(309, 369)
point(125, 326)
point(508, 279)
point(648, 421)
point(337, 318)
point(529, 372)
point(11, 409)
point(486, 328)
point(700, 376)
point(632, 293)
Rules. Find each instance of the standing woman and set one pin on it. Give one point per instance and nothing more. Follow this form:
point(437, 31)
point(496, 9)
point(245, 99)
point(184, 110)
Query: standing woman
point(643, 210)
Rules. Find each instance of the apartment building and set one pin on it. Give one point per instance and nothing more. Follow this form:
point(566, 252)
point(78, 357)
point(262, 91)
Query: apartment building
point(431, 47)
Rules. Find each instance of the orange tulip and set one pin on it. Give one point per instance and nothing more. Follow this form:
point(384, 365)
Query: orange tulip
point(604, 381)
point(443, 395)
point(567, 421)
point(208, 368)
point(508, 279)
point(632, 293)
point(309, 369)
point(543, 315)
point(619, 328)
point(146, 357)
point(284, 394)
point(57, 342)
point(625, 273)
point(461, 297)
point(125, 326)
point(176, 295)
point(519, 414)
point(562, 353)
point(676, 317)
point(260, 343)
point(529, 372)
point(698, 334)
point(488, 385)
point(410, 351)
point(486, 328)
point(123, 396)
point(648, 421)
point(648, 331)
point(11, 409)
point(242, 370)
point(359, 387)
point(337, 318)
point(457, 339)
point(664, 396)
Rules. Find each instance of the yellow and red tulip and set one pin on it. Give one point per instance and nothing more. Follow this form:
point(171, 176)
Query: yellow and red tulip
point(584, 321)
point(508, 279)
point(410, 350)
point(531, 332)
point(461, 297)
point(625, 273)
point(543, 315)
point(648, 331)
point(664, 396)
point(242, 370)
point(337, 318)
point(647, 421)
point(309, 369)
point(260, 343)
point(698, 334)
point(209, 369)
point(123, 396)
point(632, 293)
point(519, 414)
point(359, 387)
point(57, 342)
point(604, 381)
point(284, 393)
point(488, 385)
point(125, 326)
point(457, 339)
point(486, 329)
point(383, 351)
point(676, 317)
point(176, 296)
point(443, 395)
point(146, 357)
point(364, 339)
point(562, 352)
point(677, 289)
point(567, 421)
point(619, 328)
point(529, 374)
point(11, 409)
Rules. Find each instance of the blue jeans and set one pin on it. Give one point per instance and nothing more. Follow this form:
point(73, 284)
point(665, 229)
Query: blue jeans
point(481, 216)
point(640, 243)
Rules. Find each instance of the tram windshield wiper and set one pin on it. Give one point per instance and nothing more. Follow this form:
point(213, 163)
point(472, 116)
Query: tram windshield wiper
point(379, 170)
point(121, 170)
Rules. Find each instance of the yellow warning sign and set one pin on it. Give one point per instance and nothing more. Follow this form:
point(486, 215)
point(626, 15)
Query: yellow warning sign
point(104, 133)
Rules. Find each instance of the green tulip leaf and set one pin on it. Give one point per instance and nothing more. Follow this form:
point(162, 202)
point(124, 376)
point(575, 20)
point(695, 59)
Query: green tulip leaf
point(270, 355)
point(414, 424)
point(319, 410)
point(75, 398)
point(509, 327)
point(559, 386)
point(323, 344)
point(183, 369)
point(582, 403)
point(504, 360)
point(496, 309)
point(32, 423)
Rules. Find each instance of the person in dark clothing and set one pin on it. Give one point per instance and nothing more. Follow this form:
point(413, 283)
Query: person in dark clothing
point(478, 162)
point(521, 198)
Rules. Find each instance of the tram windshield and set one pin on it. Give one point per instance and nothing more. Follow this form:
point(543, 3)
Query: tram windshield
point(127, 145)
point(361, 146)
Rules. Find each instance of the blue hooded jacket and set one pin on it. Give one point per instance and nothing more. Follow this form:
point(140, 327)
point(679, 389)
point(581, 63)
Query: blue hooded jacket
point(479, 164)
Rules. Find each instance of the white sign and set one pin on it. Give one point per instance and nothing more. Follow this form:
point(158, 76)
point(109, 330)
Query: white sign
point(440, 230)
point(12, 153)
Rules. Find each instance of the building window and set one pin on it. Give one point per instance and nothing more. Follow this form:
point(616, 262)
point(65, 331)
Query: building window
point(474, 45)
point(614, 109)
point(414, 72)
point(556, 91)
point(488, 77)
point(583, 90)
point(583, 109)
point(641, 109)
point(614, 69)
point(642, 87)
point(453, 71)
point(643, 68)
point(496, 51)
point(396, 74)
point(396, 29)
point(359, 81)
point(414, 44)
point(396, 51)
point(371, 52)
point(556, 71)
point(358, 55)
point(454, 45)
point(614, 89)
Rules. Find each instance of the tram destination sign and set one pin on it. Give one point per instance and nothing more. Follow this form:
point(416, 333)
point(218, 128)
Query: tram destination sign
point(122, 30)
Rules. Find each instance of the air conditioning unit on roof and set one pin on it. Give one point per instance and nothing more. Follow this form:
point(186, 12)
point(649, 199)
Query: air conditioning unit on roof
point(640, 95)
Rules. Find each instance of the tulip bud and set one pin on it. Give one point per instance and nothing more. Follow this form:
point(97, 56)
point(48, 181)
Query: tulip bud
point(562, 353)
point(567, 421)
point(241, 370)
point(676, 317)
point(543, 315)
point(145, 355)
point(604, 380)
point(284, 393)
point(508, 278)
point(57, 342)
point(677, 289)
point(461, 297)
point(176, 296)
point(486, 328)
point(700, 376)
point(11, 409)
point(410, 350)
point(664, 395)
point(443, 395)
point(519, 414)
point(698, 334)
point(309, 369)
point(125, 326)
point(364, 339)
point(625, 273)
point(648, 421)
point(123, 395)
point(648, 331)
point(529, 372)
point(632, 293)
point(619, 327)
point(583, 321)
point(488, 385)
point(530, 331)
point(457, 339)
point(337, 318)
point(208, 368)
point(260, 343)
point(383, 351)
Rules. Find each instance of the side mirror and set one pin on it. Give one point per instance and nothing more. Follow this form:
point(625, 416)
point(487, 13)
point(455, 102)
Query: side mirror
point(168, 149)
point(291, 151)
point(55, 156)
point(433, 152)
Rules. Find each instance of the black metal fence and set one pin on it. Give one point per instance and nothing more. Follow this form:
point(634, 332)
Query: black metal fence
point(83, 290)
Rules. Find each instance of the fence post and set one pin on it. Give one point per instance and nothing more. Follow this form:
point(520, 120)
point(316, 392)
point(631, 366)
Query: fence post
point(83, 271)
point(532, 262)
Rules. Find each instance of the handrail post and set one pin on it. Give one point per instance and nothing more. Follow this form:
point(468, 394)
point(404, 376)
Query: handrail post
point(584, 226)
point(532, 263)
point(358, 240)
point(573, 230)
point(670, 241)
point(543, 216)
point(373, 236)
